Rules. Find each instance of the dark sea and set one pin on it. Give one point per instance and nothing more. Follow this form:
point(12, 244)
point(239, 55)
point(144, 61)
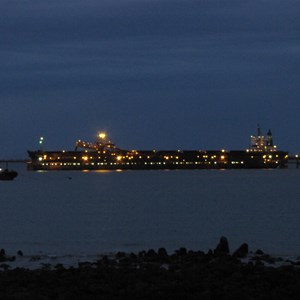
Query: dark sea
point(90, 213)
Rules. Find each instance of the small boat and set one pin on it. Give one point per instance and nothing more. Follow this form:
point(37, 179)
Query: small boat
point(8, 174)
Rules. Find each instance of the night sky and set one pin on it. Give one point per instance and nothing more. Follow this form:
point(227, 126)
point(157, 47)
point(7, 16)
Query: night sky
point(153, 74)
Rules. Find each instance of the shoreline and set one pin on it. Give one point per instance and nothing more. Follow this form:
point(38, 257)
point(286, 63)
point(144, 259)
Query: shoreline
point(48, 261)
point(184, 274)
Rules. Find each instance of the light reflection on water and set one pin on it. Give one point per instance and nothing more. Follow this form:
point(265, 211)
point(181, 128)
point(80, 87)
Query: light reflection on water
point(96, 212)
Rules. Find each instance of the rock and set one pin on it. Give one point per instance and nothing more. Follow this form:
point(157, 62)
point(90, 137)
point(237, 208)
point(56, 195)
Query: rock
point(259, 252)
point(241, 252)
point(268, 259)
point(84, 264)
point(259, 263)
point(20, 253)
point(210, 252)
point(151, 253)
point(195, 276)
point(35, 258)
point(10, 258)
point(162, 252)
point(181, 252)
point(104, 261)
point(120, 254)
point(2, 255)
point(222, 247)
point(59, 267)
point(133, 256)
point(142, 254)
point(5, 266)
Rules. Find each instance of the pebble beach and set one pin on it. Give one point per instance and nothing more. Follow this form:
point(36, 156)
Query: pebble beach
point(156, 274)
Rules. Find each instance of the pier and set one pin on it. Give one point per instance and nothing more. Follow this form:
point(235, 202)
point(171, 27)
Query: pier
point(5, 162)
point(14, 160)
point(294, 160)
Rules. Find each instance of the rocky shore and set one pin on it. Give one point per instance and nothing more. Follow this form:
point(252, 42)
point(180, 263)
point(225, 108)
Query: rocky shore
point(217, 274)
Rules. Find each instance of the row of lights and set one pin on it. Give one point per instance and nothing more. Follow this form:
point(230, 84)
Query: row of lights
point(117, 164)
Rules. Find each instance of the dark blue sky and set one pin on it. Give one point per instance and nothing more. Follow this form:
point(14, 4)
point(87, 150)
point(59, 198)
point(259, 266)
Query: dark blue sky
point(154, 74)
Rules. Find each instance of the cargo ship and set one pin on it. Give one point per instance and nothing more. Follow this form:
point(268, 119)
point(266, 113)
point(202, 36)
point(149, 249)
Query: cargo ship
point(105, 155)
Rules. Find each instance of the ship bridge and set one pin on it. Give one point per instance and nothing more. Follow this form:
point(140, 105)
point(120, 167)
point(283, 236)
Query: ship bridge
point(260, 143)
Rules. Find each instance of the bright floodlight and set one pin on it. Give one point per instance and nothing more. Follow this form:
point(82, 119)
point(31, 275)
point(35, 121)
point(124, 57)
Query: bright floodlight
point(102, 135)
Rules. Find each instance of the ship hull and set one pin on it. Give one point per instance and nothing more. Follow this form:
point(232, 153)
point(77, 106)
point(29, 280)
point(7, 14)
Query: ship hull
point(155, 160)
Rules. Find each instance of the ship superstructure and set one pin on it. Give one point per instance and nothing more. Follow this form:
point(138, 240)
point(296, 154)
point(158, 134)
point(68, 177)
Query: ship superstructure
point(104, 155)
point(260, 143)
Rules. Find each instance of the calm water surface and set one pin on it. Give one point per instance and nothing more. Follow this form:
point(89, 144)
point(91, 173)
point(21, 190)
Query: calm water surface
point(99, 212)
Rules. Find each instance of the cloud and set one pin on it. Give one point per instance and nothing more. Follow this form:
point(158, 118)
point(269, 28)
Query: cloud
point(221, 62)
